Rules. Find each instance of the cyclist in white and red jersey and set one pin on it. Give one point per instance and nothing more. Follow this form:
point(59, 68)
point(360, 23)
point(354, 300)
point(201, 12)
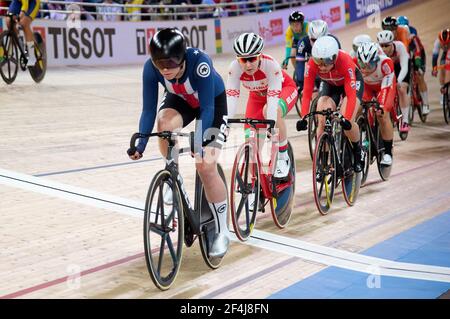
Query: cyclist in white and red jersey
point(273, 92)
point(442, 42)
point(380, 83)
point(397, 52)
point(340, 78)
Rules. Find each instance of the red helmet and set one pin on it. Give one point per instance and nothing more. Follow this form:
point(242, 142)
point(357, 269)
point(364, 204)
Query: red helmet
point(444, 36)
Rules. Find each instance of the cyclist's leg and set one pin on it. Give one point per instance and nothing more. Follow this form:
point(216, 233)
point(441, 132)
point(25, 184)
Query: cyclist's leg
point(423, 89)
point(174, 113)
point(386, 128)
point(215, 189)
point(447, 67)
point(25, 22)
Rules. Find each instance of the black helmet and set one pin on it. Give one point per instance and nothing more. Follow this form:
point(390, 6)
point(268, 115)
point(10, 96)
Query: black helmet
point(389, 23)
point(168, 48)
point(296, 16)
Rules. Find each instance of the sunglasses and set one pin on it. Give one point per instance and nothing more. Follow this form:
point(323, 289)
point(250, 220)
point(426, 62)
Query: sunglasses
point(250, 59)
point(167, 64)
point(323, 62)
point(370, 65)
point(313, 40)
point(385, 45)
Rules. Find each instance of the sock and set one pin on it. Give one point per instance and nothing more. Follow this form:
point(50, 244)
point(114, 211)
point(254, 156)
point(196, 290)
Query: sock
point(220, 212)
point(424, 96)
point(30, 46)
point(405, 112)
point(388, 147)
point(283, 147)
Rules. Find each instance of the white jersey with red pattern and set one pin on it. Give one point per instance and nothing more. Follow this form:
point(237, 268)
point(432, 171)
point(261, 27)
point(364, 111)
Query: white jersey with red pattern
point(267, 80)
point(400, 56)
point(382, 79)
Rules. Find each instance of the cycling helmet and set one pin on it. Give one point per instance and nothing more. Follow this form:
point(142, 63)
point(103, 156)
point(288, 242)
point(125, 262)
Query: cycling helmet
point(444, 37)
point(403, 20)
point(168, 48)
point(385, 37)
point(296, 16)
point(389, 23)
point(367, 55)
point(248, 44)
point(317, 29)
point(325, 50)
point(360, 39)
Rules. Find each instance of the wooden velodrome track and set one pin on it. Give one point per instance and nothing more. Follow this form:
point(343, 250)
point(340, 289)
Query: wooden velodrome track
point(71, 133)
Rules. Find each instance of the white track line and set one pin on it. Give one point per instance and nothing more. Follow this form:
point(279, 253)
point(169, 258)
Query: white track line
point(321, 254)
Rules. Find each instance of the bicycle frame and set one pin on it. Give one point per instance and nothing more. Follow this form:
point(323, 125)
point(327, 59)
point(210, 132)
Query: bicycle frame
point(14, 32)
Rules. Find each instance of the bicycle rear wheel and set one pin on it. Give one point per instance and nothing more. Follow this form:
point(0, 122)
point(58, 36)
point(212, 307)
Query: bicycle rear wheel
point(445, 104)
point(207, 222)
point(9, 57)
point(351, 181)
point(163, 231)
point(283, 201)
point(37, 71)
point(244, 191)
point(366, 144)
point(312, 128)
point(324, 174)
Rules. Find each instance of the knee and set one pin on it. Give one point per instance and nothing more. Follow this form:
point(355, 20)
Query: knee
point(206, 170)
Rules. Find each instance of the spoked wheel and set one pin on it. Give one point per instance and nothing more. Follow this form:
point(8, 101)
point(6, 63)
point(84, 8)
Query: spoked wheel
point(283, 201)
point(9, 57)
point(298, 104)
point(312, 128)
point(245, 191)
point(163, 231)
point(324, 174)
point(207, 223)
point(37, 71)
point(366, 144)
point(351, 181)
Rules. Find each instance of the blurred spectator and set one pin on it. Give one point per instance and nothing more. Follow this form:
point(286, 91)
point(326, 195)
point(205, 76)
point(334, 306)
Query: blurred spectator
point(77, 10)
point(134, 12)
point(3, 3)
point(107, 13)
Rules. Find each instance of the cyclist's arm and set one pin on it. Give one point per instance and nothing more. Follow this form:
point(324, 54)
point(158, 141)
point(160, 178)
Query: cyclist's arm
point(308, 86)
point(404, 59)
point(233, 88)
point(388, 83)
point(289, 36)
point(275, 80)
point(206, 89)
point(150, 100)
point(436, 49)
point(25, 6)
point(348, 69)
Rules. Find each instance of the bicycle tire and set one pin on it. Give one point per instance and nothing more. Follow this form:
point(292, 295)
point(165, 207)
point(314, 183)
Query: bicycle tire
point(283, 201)
point(298, 104)
point(350, 180)
point(320, 164)
point(6, 41)
point(445, 104)
point(154, 223)
point(312, 128)
point(366, 144)
point(207, 224)
point(38, 71)
point(252, 188)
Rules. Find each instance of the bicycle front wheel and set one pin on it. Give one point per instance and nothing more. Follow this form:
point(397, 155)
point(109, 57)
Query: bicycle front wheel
point(298, 104)
point(351, 181)
point(445, 105)
point(163, 231)
point(366, 144)
point(244, 191)
point(9, 57)
point(312, 128)
point(324, 174)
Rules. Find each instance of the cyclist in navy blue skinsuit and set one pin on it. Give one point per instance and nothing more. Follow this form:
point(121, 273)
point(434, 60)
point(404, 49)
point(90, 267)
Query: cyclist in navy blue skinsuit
point(193, 90)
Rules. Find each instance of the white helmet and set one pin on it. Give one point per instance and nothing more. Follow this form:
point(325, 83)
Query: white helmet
point(248, 44)
point(385, 36)
point(360, 39)
point(325, 50)
point(368, 54)
point(317, 29)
